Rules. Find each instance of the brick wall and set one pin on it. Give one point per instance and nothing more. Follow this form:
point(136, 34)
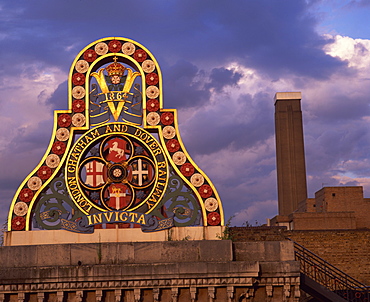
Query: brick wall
point(258, 233)
point(348, 250)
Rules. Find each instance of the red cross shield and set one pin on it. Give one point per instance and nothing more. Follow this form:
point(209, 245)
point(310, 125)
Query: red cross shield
point(94, 173)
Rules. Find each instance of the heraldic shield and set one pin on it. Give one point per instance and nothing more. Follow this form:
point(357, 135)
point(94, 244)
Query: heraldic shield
point(115, 159)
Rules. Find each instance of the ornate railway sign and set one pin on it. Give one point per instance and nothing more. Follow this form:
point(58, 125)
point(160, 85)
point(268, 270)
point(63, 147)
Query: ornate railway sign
point(116, 156)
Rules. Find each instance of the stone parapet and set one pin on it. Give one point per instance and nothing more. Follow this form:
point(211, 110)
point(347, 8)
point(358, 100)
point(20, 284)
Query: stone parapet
point(41, 237)
point(116, 253)
point(177, 271)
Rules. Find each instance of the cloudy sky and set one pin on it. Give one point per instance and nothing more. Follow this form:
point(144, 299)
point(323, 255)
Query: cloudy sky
point(222, 63)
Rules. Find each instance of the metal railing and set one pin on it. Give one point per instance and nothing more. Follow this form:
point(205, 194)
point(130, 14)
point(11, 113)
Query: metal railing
point(329, 276)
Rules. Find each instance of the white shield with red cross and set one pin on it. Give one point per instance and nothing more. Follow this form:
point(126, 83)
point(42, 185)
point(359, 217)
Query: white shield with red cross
point(94, 173)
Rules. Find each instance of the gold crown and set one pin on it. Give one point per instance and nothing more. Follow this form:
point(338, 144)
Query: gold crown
point(115, 68)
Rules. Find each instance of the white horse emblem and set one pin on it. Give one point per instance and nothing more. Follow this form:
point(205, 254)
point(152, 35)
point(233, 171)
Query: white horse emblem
point(120, 152)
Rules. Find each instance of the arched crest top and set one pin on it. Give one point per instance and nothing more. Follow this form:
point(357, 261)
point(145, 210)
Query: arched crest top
point(137, 58)
point(116, 156)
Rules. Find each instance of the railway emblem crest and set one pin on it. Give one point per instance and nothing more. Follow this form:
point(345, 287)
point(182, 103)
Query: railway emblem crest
point(116, 158)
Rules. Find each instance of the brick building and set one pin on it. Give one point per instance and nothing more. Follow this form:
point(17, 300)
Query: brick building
point(332, 208)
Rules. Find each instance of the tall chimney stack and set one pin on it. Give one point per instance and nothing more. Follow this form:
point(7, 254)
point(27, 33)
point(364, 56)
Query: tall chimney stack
point(290, 157)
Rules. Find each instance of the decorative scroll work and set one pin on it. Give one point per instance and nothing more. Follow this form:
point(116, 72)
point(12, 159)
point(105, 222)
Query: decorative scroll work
point(179, 203)
point(55, 210)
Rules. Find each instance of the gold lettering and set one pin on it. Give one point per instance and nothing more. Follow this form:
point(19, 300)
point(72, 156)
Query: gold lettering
point(161, 164)
point(157, 192)
point(72, 181)
point(81, 144)
point(77, 149)
point(75, 155)
point(72, 165)
point(89, 219)
point(108, 129)
point(79, 198)
point(152, 199)
point(71, 169)
point(141, 219)
point(147, 138)
point(121, 216)
point(143, 136)
point(153, 145)
point(95, 133)
point(162, 172)
point(123, 128)
point(108, 216)
point(97, 218)
point(116, 127)
point(88, 209)
point(88, 139)
point(83, 203)
point(75, 191)
point(150, 205)
point(161, 184)
point(157, 152)
point(133, 216)
point(117, 218)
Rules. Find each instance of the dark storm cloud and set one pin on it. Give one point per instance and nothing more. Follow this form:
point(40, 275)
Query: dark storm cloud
point(229, 125)
point(59, 99)
point(277, 37)
point(184, 85)
point(341, 108)
point(187, 86)
point(26, 139)
point(336, 130)
point(336, 150)
point(221, 77)
point(20, 157)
